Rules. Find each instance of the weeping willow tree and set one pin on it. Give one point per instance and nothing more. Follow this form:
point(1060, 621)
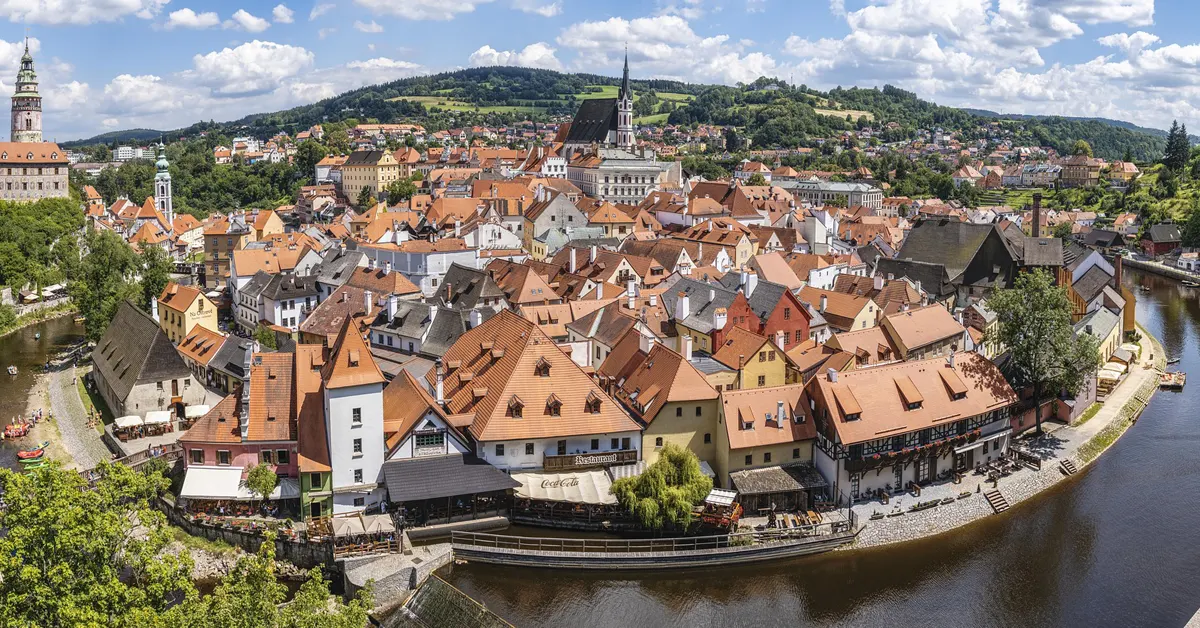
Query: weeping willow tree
point(667, 490)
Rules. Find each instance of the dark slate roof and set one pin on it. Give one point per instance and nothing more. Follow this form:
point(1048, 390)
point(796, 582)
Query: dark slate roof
point(777, 479)
point(1073, 254)
point(467, 286)
point(1164, 232)
point(605, 325)
point(593, 121)
point(949, 243)
point(869, 254)
point(432, 477)
point(703, 300)
point(286, 286)
point(412, 319)
point(1092, 283)
point(1102, 322)
point(762, 299)
point(1043, 252)
point(257, 284)
point(231, 358)
point(364, 158)
point(933, 277)
point(1102, 237)
point(135, 350)
point(337, 266)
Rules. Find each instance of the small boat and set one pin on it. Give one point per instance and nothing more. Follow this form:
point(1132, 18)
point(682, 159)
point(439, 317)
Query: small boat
point(1173, 380)
point(37, 465)
point(79, 320)
point(1191, 284)
point(32, 454)
point(1173, 361)
point(12, 370)
point(1144, 288)
point(15, 431)
point(37, 336)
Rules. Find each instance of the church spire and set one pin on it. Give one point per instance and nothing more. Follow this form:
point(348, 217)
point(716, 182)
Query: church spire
point(625, 91)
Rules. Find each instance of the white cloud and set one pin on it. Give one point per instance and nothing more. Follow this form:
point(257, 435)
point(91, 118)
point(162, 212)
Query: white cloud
point(320, 9)
point(539, 55)
point(837, 7)
point(187, 18)
point(110, 123)
point(686, 9)
point(550, 9)
point(282, 15)
point(77, 12)
point(421, 9)
point(368, 27)
point(67, 96)
point(243, 20)
point(1129, 43)
point(255, 67)
point(325, 32)
point(144, 94)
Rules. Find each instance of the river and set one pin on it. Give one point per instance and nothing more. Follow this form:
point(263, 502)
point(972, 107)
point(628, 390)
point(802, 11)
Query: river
point(1118, 545)
point(29, 354)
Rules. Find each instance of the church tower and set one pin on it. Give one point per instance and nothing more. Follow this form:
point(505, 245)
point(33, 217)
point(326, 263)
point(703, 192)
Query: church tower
point(26, 103)
point(162, 187)
point(625, 111)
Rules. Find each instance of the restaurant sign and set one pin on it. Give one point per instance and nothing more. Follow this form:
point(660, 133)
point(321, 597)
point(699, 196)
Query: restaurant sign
point(584, 461)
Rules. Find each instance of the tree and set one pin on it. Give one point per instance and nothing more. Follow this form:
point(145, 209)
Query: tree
point(1034, 324)
point(261, 480)
point(265, 337)
point(365, 199)
point(668, 489)
point(400, 191)
point(1178, 147)
point(1081, 147)
point(70, 556)
point(1128, 156)
point(1062, 231)
point(1191, 229)
point(8, 316)
point(103, 280)
point(733, 142)
point(308, 153)
point(756, 179)
point(156, 273)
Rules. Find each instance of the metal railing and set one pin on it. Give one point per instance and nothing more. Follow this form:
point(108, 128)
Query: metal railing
point(626, 546)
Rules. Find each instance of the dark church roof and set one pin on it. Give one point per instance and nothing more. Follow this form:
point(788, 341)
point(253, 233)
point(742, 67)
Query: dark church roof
point(593, 121)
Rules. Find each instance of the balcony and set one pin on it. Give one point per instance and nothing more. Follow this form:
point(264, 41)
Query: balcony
point(584, 461)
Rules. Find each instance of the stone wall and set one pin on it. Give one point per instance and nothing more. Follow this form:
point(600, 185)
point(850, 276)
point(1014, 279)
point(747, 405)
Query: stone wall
point(299, 553)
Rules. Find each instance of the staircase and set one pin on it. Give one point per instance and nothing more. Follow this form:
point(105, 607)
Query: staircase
point(997, 501)
point(1067, 466)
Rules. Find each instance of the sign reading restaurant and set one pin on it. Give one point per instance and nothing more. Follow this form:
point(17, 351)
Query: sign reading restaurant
point(584, 461)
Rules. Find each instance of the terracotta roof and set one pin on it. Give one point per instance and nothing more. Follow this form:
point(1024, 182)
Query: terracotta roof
point(271, 261)
point(774, 268)
point(809, 355)
point(501, 356)
point(310, 409)
point(272, 401)
point(178, 297)
point(739, 342)
point(350, 361)
point(260, 221)
point(876, 395)
point(328, 318)
point(663, 376)
point(869, 346)
point(746, 413)
point(840, 309)
point(220, 425)
point(201, 344)
point(921, 326)
point(405, 401)
point(381, 283)
point(31, 153)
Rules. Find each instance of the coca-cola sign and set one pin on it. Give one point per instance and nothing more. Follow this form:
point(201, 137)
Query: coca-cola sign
point(561, 483)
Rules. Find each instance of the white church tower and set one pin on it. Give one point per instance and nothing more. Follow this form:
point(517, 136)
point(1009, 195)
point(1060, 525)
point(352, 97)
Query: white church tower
point(162, 186)
point(625, 111)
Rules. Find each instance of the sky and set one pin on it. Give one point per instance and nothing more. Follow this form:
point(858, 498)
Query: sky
point(163, 64)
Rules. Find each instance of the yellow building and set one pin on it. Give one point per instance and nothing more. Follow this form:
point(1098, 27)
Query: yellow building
point(267, 223)
point(675, 403)
point(761, 429)
point(180, 308)
point(374, 170)
point(221, 239)
point(758, 361)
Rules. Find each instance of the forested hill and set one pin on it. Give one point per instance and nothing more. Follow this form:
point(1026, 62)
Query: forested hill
point(769, 111)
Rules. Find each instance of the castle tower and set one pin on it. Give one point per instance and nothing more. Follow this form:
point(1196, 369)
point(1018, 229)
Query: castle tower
point(625, 111)
point(162, 186)
point(26, 103)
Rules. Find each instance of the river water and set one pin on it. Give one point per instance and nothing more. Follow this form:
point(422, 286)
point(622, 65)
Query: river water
point(28, 354)
point(1117, 545)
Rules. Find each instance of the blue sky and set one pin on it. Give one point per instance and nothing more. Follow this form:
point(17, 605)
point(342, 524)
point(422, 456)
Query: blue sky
point(113, 64)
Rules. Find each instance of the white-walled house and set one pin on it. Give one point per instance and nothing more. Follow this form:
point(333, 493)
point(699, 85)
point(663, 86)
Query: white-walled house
point(353, 400)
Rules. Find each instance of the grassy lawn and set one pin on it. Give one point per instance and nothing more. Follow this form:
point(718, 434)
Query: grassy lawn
point(676, 97)
point(1089, 413)
point(202, 544)
point(658, 118)
point(605, 91)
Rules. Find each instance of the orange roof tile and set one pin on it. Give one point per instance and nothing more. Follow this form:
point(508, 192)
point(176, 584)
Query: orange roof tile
point(350, 361)
point(746, 413)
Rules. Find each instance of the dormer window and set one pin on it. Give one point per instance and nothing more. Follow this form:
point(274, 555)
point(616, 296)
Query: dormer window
point(516, 407)
point(542, 368)
point(592, 405)
point(553, 405)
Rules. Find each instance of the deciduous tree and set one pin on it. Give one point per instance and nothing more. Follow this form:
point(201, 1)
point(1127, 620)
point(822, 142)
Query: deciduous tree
point(665, 493)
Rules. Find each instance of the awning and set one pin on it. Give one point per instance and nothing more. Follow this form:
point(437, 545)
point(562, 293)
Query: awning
point(720, 497)
point(286, 488)
point(577, 487)
point(441, 477)
point(158, 417)
point(132, 420)
point(195, 412)
point(211, 482)
point(378, 524)
point(348, 526)
point(981, 441)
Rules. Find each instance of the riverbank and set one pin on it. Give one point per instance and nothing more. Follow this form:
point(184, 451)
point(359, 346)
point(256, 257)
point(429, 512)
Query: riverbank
point(1081, 443)
point(38, 316)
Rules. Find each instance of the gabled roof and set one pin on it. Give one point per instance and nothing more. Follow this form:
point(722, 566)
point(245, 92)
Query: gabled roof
point(1092, 283)
point(178, 297)
point(592, 122)
point(1166, 233)
point(133, 350)
point(350, 362)
point(949, 243)
point(201, 344)
point(663, 376)
point(703, 301)
point(746, 412)
point(739, 345)
point(918, 327)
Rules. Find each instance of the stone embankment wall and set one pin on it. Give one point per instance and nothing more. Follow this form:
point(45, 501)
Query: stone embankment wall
point(299, 553)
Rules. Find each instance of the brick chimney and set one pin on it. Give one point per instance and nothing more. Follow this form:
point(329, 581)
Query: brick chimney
point(1036, 229)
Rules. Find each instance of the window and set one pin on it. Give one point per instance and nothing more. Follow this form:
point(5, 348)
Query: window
point(749, 459)
point(625, 443)
point(358, 476)
point(223, 458)
point(795, 453)
point(528, 449)
point(359, 502)
point(430, 440)
point(282, 456)
point(595, 444)
point(197, 456)
point(707, 438)
point(699, 411)
point(562, 447)
point(615, 444)
point(658, 442)
point(762, 356)
point(160, 385)
point(767, 457)
point(762, 380)
point(314, 480)
point(356, 417)
point(770, 356)
point(357, 447)
point(679, 411)
point(267, 456)
point(787, 313)
point(500, 450)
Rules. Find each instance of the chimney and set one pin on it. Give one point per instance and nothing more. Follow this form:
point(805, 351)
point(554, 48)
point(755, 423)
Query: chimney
point(878, 282)
point(780, 419)
point(779, 339)
point(952, 358)
point(631, 288)
point(387, 267)
point(682, 307)
point(645, 343)
point(441, 398)
point(1036, 229)
point(632, 298)
point(720, 317)
point(154, 309)
point(368, 302)
point(743, 277)
point(751, 283)
point(687, 348)
point(476, 318)
point(654, 300)
point(831, 374)
point(824, 303)
point(370, 263)
point(393, 305)
point(433, 309)
point(592, 255)
point(1117, 272)
point(571, 260)
point(457, 228)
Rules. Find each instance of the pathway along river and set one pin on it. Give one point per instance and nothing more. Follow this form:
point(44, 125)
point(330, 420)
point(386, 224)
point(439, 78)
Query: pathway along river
point(1118, 545)
point(29, 354)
